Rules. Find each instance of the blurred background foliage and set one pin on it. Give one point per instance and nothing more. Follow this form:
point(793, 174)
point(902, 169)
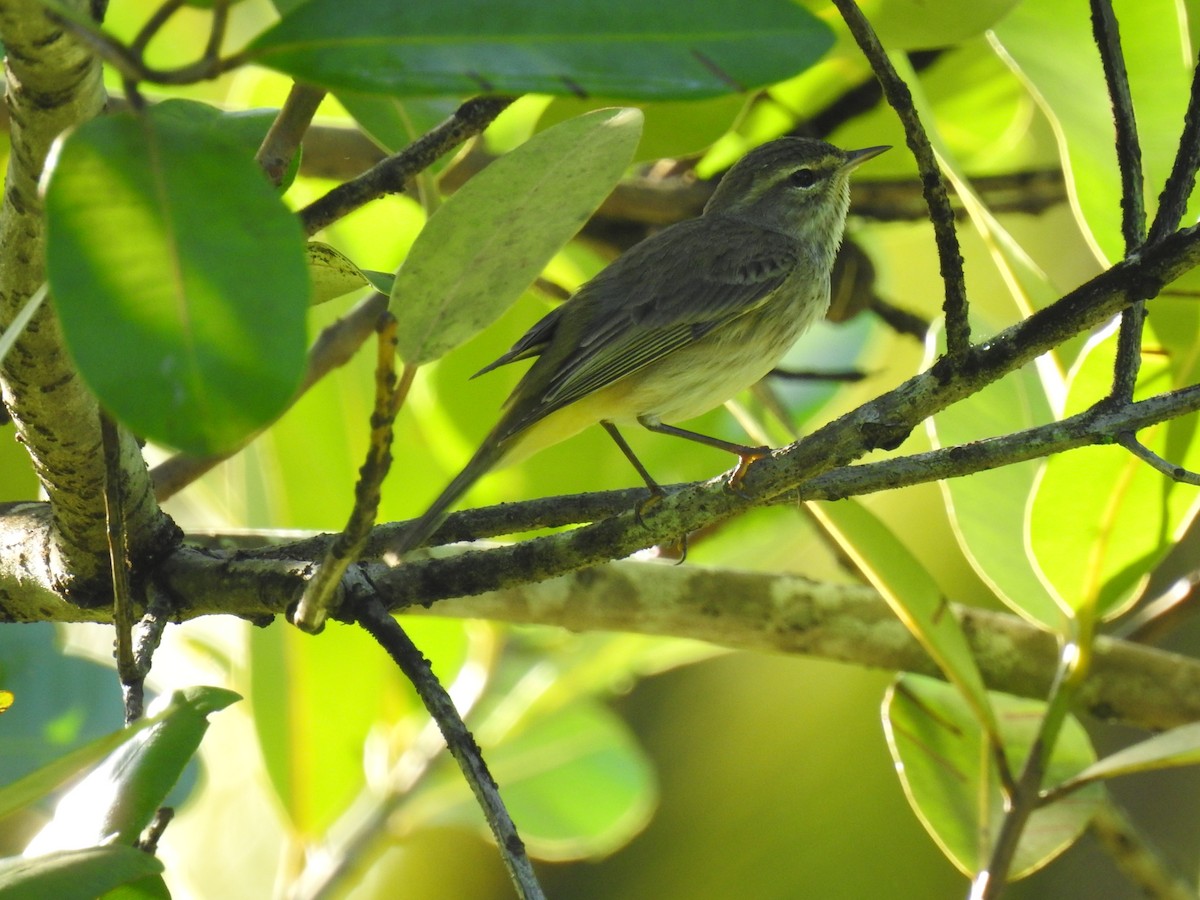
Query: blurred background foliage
point(639, 768)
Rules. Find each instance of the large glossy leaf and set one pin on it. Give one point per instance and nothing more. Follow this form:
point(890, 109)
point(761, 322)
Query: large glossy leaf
point(178, 275)
point(949, 773)
point(1101, 519)
point(1049, 43)
point(621, 48)
point(911, 593)
point(118, 798)
point(492, 237)
point(988, 509)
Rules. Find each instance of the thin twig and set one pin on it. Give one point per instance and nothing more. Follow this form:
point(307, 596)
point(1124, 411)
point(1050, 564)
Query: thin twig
point(1172, 203)
point(958, 329)
point(118, 554)
point(1129, 441)
point(153, 25)
point(287, 131)
point(128, 63)
point(1107, 36)
point(320, 594)
point(334, 347)
point(390, 175)
point(387, 631)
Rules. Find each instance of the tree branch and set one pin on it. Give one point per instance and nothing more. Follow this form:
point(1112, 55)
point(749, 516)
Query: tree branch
point(389, 175)
point(54, 84)
point(958, 329)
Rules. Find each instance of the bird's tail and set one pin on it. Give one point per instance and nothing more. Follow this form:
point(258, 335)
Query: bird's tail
point(418, 531)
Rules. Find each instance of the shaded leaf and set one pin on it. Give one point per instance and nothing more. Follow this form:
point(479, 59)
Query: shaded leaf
point(576, 782)
point(949, 773)
point(1171, 749)
point(622, 48)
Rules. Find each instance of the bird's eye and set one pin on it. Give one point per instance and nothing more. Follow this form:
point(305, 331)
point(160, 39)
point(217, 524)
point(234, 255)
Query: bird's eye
point(802, 178)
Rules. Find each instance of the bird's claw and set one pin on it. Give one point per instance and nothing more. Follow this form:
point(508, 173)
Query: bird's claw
point(745, 461)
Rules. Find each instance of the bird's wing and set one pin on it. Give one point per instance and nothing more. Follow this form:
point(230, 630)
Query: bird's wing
point(666, 297)
point(532, 343)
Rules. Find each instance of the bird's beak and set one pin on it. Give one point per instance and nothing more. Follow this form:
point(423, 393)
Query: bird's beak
point(857, 157)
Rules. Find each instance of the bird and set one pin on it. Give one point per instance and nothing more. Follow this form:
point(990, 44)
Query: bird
point(679, 323)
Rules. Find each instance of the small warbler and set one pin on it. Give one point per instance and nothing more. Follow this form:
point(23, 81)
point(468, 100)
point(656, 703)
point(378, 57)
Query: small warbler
point(681, 322)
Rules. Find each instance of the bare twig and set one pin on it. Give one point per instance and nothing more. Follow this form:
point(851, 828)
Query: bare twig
point(283, 139)
point(390, 175)
point(1173, 201)
point(118, 553)
point(322, 589)
point(387, 631)
point(1133, 210)
point(1129, 441)
point(958, 329)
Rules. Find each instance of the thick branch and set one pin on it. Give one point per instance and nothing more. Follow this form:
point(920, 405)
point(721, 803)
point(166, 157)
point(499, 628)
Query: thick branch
point(52, 85)
point(742, 610)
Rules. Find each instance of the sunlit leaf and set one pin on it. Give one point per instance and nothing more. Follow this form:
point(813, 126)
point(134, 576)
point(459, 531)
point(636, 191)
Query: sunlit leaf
point(1049, 43)
point(576, 782)
point(987, 509)
point(118, 798)
point(927, 24)
point(492, 237)
point(1101, 519)
point(333, 273)
point(313, 714)
point(178, 275)
point(911, 593)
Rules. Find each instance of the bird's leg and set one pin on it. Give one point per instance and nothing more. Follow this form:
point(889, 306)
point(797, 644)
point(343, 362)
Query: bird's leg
point(656, 491)
point(745, 454)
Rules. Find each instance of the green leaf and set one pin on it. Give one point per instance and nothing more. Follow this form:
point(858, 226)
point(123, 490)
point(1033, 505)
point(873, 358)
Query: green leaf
point(178, 275)
point(1101, 519)
point(394, 123)
point(492, 237)
point(987, 509)
point(118, 798)
point(576, 782)
point(622, 48)
point(1171, 749)
point(1049, 43)
point(929, 24)
point(63, 703)
point(672, 128)
point(66, 874)
point(295, 680)
point(949, 774)
point(911, 593)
